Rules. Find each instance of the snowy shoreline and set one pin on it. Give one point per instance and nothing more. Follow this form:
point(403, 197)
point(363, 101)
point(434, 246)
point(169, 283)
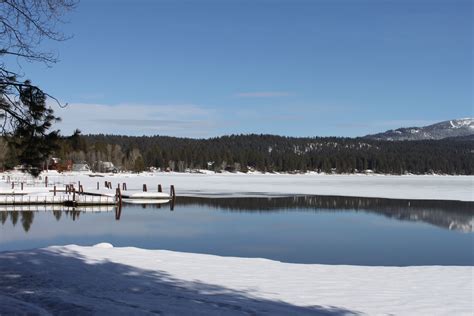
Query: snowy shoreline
point(103, 279)
point(426, 187)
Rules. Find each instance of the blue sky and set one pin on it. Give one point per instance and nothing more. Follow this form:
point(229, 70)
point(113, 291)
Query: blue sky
point(296, 68)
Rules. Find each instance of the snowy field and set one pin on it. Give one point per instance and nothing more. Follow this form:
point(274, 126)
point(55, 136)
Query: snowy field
point(105, 280)
point(430, 187)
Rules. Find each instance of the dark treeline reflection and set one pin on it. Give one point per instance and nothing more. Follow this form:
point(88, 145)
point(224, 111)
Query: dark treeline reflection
point(26, 217)
point(454, 215)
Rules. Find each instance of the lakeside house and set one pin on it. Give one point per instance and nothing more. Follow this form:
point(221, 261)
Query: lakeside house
point(81, 167)
point(105, 166)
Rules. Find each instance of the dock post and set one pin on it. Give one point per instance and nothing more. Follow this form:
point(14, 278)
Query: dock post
point(173, 197)
point(13, 185)
point(172, 193)
point(97, 185)
point(118, 212)
point(120, 198)
point(54, 190)
point(46, 181)
point(144, 188)
point(22, 186)
point(160, 189)
point(118, 195)
point(118, 207)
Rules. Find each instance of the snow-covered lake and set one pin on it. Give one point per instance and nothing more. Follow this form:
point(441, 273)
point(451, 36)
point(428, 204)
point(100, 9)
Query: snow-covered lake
point(304, 229)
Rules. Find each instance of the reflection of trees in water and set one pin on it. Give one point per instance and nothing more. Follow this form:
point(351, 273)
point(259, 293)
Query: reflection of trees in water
point(3, 217)
point(27, 217)
point(57, 215)
point(454, 215)
point(14, 217)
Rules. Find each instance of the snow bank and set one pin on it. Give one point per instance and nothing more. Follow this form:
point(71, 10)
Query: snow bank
point(108, 280)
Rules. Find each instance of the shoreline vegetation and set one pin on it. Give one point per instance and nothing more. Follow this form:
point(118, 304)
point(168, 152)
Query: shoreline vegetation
point(264, 153)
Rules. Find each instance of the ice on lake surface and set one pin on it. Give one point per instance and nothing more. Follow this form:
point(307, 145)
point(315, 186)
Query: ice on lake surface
point(299, 229)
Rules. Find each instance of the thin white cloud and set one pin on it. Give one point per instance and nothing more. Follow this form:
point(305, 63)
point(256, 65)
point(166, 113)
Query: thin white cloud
point(137, 119)
point(262, 94)
point(383, 125)
point(88, 97)
point(404, 123)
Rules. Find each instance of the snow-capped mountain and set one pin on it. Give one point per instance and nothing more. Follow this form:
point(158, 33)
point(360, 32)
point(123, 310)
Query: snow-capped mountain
point(453, 128)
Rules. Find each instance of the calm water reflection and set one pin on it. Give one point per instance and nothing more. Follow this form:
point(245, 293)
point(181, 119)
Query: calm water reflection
point(305, 229)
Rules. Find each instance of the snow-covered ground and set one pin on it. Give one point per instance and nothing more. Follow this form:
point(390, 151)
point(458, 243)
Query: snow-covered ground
point(432, 187)
point(106, 280)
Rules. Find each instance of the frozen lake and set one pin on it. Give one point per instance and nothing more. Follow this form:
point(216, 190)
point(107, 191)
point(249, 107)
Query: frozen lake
point(300, 229)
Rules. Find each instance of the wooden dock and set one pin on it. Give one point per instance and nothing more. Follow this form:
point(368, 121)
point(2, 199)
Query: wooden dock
point(63, 199)
point(71, 196)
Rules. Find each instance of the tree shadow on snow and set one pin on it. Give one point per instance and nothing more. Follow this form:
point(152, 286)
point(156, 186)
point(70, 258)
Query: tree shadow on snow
point(42, 281)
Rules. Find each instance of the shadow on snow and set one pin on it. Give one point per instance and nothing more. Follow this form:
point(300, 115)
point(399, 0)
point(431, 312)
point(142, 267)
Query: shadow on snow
point(43, 282)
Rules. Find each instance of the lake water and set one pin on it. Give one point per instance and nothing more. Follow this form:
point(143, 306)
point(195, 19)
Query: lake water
point(301, 229)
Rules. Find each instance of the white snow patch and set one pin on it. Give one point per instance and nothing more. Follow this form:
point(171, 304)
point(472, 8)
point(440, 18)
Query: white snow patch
point(103, 245)
point(75, 279)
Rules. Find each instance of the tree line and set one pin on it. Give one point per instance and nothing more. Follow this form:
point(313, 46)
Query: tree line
point(266, 153)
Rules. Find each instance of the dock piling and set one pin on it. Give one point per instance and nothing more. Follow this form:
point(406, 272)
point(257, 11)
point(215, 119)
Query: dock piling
point(172, 192)
point(119, 196)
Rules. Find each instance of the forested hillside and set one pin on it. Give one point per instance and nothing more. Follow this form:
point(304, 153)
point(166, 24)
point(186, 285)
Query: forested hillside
point(274, 153)
point(269, 153)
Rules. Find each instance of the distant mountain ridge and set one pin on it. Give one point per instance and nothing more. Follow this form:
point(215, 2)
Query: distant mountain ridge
point(453, 128)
